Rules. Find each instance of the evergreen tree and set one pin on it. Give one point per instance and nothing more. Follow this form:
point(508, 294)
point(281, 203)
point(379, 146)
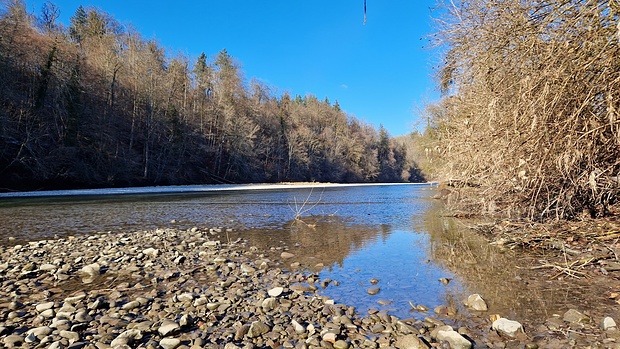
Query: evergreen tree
point(78, 24)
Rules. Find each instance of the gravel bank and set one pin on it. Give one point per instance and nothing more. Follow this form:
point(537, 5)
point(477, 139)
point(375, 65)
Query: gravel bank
point(194, 289)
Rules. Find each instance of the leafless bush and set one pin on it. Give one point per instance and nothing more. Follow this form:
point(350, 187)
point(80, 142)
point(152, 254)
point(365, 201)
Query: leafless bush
point(530, 113)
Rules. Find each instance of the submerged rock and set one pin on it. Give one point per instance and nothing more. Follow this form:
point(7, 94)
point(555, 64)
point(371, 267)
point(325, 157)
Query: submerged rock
point(373, 290)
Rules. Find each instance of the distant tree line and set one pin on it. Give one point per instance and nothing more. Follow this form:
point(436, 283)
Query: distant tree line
point(96, 105)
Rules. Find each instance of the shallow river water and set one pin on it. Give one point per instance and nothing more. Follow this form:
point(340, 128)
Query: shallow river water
point(351, 234)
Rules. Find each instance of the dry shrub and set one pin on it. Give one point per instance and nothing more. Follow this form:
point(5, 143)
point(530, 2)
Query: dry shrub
point(530, 113)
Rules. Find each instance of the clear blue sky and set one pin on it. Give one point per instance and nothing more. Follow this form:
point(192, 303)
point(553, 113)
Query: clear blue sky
point(380, 72)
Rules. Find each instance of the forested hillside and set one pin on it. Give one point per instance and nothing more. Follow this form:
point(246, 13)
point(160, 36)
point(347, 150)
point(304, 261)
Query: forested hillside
point(96, 104)
point(530, 116)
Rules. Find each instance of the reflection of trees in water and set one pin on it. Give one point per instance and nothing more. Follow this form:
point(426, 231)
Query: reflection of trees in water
point(319, 239)
point(502, 277)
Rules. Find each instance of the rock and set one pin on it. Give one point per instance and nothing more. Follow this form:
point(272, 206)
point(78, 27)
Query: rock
point(219, 260)
point(257, 329)
point(151, 252)
point(74, 299)
point(329, 337)
point(168, 327)
point(82, 316)
point(40, 331)
point(127, 337)
point(91, 270)
point(377, 328)
point(286, 255)
point(30, 338)
point(507, 327)
point(269, 304)
point(186, 297)
point(410, 341)
point(301, 288)
point(241, 332)
point(44, 306)
point(298, 327)
point(574, 316)
point(48, 267)
point(373, 290)
point(131, 305)
point(475, 302)
point(185, 320)
point(13, 341)
point(48, 314)
point(374, 281)
point(340, 344)
point(169, 343)
point(275, 292)
point(554, 323)
point(608, 323)
point(456, 340)
point(247, 269)
point(70, 335)
point(438, 328)
point(445, 281)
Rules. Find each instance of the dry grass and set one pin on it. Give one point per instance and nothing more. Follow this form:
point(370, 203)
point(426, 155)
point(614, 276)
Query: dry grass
point(530, 116)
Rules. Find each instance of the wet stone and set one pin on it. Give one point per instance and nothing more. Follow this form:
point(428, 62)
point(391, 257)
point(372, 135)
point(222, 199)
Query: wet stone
point(373, 291)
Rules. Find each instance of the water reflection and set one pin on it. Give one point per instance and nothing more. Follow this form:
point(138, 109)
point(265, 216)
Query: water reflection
point(505, 278)
point(392, 233)
point(353, 254)
point(357, 233)
point(39, 218)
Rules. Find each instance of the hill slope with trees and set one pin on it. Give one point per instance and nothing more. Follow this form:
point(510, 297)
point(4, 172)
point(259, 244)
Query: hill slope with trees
point(98, 105)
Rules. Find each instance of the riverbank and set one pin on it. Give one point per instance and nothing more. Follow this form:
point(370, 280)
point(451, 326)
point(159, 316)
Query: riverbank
point(189, 189)
point(196, 288)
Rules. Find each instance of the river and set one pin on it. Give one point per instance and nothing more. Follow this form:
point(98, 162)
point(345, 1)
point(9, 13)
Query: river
point(352, 234)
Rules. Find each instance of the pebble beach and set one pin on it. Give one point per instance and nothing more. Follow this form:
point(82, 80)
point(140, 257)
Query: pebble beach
point(194, 288)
